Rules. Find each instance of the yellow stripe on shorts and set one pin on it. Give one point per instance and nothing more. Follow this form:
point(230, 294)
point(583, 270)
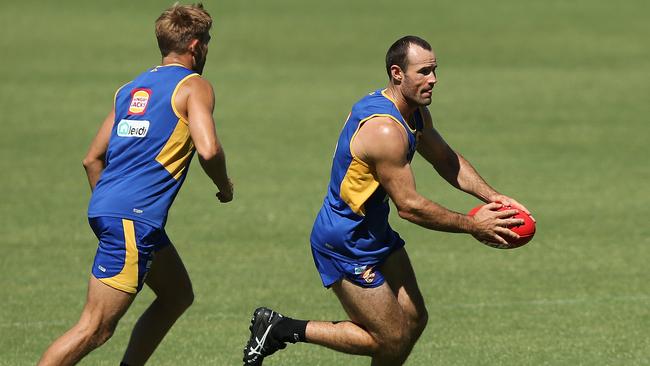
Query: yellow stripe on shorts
point(127, 279)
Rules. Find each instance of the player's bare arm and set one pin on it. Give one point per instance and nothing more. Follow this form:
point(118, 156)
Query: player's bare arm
point(94, 162)
point(383, 144)
point(195, 102)
point(455, 169)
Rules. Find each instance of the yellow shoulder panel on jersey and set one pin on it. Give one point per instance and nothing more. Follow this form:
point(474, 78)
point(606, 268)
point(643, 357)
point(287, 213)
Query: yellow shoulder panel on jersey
point(359, 182)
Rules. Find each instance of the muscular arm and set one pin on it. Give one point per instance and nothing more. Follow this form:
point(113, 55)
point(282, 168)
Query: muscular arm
point(95, 159)
point(195, 100)
point(382, 144)
point(451, 165)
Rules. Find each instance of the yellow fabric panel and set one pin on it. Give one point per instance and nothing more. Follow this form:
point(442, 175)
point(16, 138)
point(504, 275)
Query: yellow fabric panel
point(175, 154)
point(358, 184)
point(127, 279)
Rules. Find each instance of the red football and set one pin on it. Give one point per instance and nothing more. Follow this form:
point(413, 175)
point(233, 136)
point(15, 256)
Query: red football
point(525, 231)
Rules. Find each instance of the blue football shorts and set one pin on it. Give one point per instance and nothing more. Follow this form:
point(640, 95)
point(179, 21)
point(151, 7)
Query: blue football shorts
point(367, 274)
point(125, 252)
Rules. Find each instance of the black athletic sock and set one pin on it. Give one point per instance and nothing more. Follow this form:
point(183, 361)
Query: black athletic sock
point(290, 330)
point(123, 364)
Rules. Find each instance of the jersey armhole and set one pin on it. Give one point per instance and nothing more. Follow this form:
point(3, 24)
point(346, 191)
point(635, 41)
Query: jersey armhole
point(419, 119)
point(117, 92)
point(361, 123)
point(174, 97)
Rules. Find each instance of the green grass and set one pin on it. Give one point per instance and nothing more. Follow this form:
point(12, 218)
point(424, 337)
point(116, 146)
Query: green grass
point(549, 100)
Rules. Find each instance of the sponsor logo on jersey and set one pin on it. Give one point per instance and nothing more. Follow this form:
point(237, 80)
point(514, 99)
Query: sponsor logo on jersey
point(139, 100)
point(132, 128)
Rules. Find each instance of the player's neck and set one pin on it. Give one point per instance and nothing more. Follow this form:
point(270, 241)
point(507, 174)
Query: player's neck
point(400, 102)
point(184, 60)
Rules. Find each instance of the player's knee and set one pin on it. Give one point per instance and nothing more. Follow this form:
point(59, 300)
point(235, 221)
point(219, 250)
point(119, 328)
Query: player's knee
point(415, 322)
point(187, 300)
point(179, 302)
point(394, 344)
point(102, 335)
point(393, 352)
point(418, 322)
point(395, 348)
point(94, 334)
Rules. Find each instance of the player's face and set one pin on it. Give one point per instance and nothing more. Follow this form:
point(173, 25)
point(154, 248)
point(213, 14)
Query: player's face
point(420, 76)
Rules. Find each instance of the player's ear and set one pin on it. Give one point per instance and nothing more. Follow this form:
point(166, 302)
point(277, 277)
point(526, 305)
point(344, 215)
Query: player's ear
point(193, 45)
point(396, 74)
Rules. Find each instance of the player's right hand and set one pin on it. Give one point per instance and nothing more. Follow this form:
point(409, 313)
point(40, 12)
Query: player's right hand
point(491, 225)
point(226, 195)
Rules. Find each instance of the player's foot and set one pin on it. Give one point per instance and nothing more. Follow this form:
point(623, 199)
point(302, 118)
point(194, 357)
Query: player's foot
point(262, 343)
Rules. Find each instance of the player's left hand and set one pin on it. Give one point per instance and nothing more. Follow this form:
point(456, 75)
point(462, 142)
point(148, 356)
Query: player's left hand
point(507, 201)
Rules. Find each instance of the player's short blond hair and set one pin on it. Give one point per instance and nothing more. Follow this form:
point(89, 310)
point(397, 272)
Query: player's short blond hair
point(180, 24)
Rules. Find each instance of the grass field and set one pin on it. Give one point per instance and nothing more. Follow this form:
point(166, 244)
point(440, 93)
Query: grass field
point(549, 100)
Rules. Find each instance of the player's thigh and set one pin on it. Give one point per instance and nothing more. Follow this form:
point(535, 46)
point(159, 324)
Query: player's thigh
point(375, 309)
point(104, 306)
point(168, 277)
point(400, 277)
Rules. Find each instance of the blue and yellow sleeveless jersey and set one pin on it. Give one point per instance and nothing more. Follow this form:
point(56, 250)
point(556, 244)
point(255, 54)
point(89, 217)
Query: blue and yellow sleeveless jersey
point(149, 151)
point(352, 224)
